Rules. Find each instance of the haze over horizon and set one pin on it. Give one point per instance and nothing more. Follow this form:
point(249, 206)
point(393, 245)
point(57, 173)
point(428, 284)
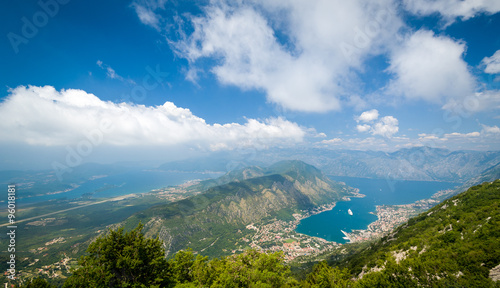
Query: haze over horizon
point(158, 80)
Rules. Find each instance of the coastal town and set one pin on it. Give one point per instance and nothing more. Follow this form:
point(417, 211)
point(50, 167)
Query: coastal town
point(176, 193)
point(279, 235)
point(389, 217)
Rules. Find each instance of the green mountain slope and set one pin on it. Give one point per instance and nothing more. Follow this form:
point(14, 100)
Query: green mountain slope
point(454, 244)
point(214, 222)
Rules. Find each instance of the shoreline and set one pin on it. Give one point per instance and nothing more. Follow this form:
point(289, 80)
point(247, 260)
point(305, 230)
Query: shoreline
point(391, 216)
point(328, 207)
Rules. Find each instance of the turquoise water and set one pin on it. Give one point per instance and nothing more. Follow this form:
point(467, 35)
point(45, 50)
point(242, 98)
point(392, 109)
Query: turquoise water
point(328, 224)
point(122, 184)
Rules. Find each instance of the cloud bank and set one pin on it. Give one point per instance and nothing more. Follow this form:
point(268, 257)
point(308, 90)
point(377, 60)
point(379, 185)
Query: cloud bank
point(46, 117)
point(452, 9)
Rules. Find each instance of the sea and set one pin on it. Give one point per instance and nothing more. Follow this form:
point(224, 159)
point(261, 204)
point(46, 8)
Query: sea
point(327, 225)
point(138, 181)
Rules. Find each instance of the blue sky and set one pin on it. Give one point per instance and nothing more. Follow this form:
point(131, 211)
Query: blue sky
point(131, 80)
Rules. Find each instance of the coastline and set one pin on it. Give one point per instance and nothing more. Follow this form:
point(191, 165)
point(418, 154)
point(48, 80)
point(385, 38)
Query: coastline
point(324, 208)
point(391, 216)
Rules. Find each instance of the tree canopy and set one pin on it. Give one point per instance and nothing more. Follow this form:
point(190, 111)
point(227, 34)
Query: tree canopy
point(121, 259)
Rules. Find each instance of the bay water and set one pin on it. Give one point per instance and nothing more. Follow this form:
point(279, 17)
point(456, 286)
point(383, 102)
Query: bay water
point(138, 181)
point(327, 225)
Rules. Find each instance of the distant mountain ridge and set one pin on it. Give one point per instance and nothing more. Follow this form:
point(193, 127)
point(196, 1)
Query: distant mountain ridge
point(489, 175)
point(211, 221)
point(418, 163)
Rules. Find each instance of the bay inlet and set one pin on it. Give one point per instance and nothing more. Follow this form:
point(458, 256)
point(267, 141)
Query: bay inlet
point(330, 224)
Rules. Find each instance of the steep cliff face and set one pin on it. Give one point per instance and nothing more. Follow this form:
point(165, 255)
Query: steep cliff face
point(222, 212)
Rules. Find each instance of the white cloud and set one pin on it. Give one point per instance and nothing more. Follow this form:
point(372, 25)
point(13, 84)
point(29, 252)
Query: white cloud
point(490, 129)
point(479, 101)
point(387, 126)
point(451, 9)
point(145, 10)
point(428, 137)
point(458, 141)
point(492, 63)
point(487, 139)
point(320, 135)
point(368, 116)
point(44, 116)
point(368, 143)
point(455, 141)
point(111, 73)
point(462, 135)
point(147, 17)
point(331, 141)
point(430, 68)
point(363, 128)
point(327, 41)
point(483, 140)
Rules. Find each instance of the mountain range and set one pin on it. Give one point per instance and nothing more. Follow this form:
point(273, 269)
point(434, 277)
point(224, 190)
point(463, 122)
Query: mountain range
point(219, 217)
point(215, 219)
point(418, 163)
